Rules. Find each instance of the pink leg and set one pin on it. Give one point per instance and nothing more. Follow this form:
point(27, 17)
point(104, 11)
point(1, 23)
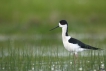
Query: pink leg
point(75, 57)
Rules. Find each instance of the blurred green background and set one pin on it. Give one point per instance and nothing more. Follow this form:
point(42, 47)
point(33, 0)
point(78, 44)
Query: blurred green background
point(38, 16)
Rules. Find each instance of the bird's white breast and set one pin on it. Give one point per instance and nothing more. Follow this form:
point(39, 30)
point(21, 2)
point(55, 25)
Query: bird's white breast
point(70, 46)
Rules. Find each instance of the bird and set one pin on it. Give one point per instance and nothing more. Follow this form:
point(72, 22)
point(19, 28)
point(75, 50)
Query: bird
point(72, 44)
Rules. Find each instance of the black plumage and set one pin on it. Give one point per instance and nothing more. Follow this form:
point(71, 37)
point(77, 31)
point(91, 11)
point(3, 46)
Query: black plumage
point(81, 44)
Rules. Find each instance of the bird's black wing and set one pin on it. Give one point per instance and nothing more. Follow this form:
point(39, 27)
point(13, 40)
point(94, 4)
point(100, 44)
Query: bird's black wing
point(81, 44)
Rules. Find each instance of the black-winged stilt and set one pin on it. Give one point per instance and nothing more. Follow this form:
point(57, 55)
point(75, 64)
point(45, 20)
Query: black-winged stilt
point(70, 43)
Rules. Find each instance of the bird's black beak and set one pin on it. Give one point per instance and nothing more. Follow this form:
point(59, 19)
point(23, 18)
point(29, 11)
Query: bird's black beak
point(54, 28)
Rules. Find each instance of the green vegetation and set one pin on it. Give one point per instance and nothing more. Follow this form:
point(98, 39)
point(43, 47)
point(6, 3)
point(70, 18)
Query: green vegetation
point(33, 54)
point(32, 16)
point(29, 57)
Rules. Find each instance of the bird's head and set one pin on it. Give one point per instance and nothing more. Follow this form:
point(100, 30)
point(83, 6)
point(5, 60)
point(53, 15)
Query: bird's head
point(62, 24)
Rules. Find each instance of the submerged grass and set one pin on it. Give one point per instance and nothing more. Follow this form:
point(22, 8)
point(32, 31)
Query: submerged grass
point(48, 58)
point(49, 63)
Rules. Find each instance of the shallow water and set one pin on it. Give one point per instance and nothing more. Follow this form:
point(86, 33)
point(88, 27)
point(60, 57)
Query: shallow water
point(52, 66)
point(38, 53)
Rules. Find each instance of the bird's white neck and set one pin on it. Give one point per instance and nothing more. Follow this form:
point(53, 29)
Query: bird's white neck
point(64, 31)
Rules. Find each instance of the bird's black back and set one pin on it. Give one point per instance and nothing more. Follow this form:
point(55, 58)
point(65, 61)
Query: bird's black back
point(81, 44)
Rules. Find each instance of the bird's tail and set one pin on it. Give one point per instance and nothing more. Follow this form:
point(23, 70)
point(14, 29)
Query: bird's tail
point(94, 48)
point(97, 48)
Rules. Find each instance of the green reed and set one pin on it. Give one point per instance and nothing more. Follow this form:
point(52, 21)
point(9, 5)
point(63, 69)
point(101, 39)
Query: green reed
point(26, 56)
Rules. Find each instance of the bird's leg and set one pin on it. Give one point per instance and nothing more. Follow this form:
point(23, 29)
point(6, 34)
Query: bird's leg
point(76, 55)
point(75, 58)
